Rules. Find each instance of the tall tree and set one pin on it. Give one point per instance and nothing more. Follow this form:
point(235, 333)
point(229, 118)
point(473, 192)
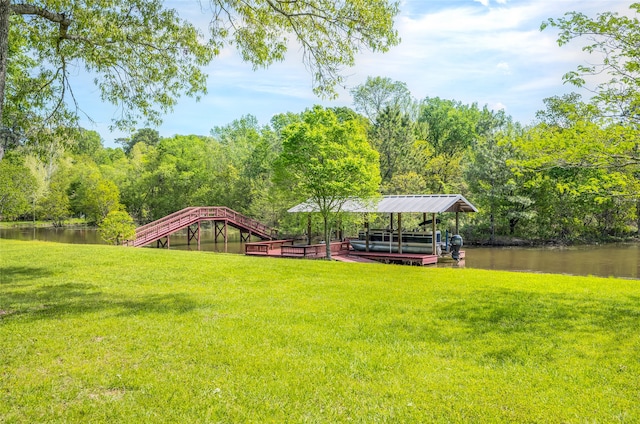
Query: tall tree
point(377, 93)
point(615, 39)
point(497, 188)
point(392, 135)
point(16, 183)
point(326, 162)
point(144, 55)
point(148, 136)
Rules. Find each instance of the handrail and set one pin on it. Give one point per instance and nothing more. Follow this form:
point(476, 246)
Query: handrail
point(313, 250)
point(191, 215)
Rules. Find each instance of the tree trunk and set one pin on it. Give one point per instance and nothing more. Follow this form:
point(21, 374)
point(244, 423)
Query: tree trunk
point(492, 224)
point(512, 225)
point(5, 11)
point(327, 238)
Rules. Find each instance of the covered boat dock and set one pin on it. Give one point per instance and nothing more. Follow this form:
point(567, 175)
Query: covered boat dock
point(426, 204)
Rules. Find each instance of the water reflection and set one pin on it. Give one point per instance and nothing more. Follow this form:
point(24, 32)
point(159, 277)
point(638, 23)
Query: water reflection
point(73, 235)
point(617, 260)
point(610, 260)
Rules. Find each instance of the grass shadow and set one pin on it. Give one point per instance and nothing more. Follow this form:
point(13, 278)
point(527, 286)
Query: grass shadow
point(15, 274)
point(508, 311)
point(72, 299)
point(525, 322)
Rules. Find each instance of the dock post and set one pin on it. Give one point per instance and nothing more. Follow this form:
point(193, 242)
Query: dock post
point(366, 234)
point(434, 248)
point(399, 233)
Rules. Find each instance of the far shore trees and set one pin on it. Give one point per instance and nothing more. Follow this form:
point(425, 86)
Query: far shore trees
point(326, 162)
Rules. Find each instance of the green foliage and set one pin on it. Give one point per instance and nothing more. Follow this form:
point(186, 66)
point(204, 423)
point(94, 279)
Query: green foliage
point(56, 206)
point(379, 93)
point(614, 77)
point(88, 143)
point(500, 193)
point(330, 33)
point(92, 195)
point(148, 136)
point(586, 163)
point(116, 227)
point(104, 334)
point(16, 186)
point(392, 135)
point(614, 40)
point(326, 162)
point(142, 55)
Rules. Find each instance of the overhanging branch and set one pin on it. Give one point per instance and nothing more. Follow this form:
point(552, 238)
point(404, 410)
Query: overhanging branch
point(28, 9)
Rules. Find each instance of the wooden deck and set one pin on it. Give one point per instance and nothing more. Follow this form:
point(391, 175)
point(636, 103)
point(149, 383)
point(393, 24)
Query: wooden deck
point(340, 251)
point(358, 259)
point(286, 249)
point(397, 258)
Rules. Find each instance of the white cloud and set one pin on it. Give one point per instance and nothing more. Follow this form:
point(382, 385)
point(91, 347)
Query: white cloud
point(489, 52)
point(504, 68)
point(497, 106)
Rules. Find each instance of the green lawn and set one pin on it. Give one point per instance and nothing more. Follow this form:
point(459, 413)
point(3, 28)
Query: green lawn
point(123, 335)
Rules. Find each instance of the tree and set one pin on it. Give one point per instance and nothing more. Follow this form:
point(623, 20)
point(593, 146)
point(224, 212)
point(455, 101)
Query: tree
point(451, 125)
point(55, 206)
point(615, 38)
point(116, 227)
point(499, 190)
point(16, 184)
point(87, 142)
point(326, 162)
point(92, 195)
point(144, 56)
point(148, 136)
point(582, 155)
point(392, 135)
point(378, 93)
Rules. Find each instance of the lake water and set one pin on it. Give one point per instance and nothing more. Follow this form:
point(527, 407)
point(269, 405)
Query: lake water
point(608, 260)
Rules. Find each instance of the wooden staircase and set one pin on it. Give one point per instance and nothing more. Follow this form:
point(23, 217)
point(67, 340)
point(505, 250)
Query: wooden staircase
point(184, 218)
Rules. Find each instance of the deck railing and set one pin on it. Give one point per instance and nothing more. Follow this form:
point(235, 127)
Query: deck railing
point(188, 216)
point(264, 247)
point(314, 250)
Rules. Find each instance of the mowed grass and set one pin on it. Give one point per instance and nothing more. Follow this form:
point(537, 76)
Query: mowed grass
point(107, 334)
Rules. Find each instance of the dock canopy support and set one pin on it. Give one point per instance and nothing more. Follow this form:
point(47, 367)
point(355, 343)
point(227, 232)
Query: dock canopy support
point(400, 233)
point(434, 245)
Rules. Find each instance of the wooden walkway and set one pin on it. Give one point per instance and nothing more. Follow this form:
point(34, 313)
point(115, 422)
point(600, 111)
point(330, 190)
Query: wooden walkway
point(160, 231)
point(340, 251)
point(397, 258)
point(286, 249)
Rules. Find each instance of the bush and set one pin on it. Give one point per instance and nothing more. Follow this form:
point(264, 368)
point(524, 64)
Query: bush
point(116, 227)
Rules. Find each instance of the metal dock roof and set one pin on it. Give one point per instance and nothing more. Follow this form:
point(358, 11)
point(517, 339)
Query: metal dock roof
point(423, 203)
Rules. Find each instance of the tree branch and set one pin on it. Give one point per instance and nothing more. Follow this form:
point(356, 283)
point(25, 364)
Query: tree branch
point(28, 9)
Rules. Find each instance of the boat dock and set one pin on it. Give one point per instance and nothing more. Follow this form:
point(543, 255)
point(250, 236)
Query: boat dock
point(340, 251)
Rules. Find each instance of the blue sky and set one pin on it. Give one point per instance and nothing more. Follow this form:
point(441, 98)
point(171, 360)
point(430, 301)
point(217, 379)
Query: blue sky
point(486, 51)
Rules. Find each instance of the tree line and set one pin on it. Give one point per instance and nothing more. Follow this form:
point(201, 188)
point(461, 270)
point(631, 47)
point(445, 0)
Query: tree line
point(537, 182)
